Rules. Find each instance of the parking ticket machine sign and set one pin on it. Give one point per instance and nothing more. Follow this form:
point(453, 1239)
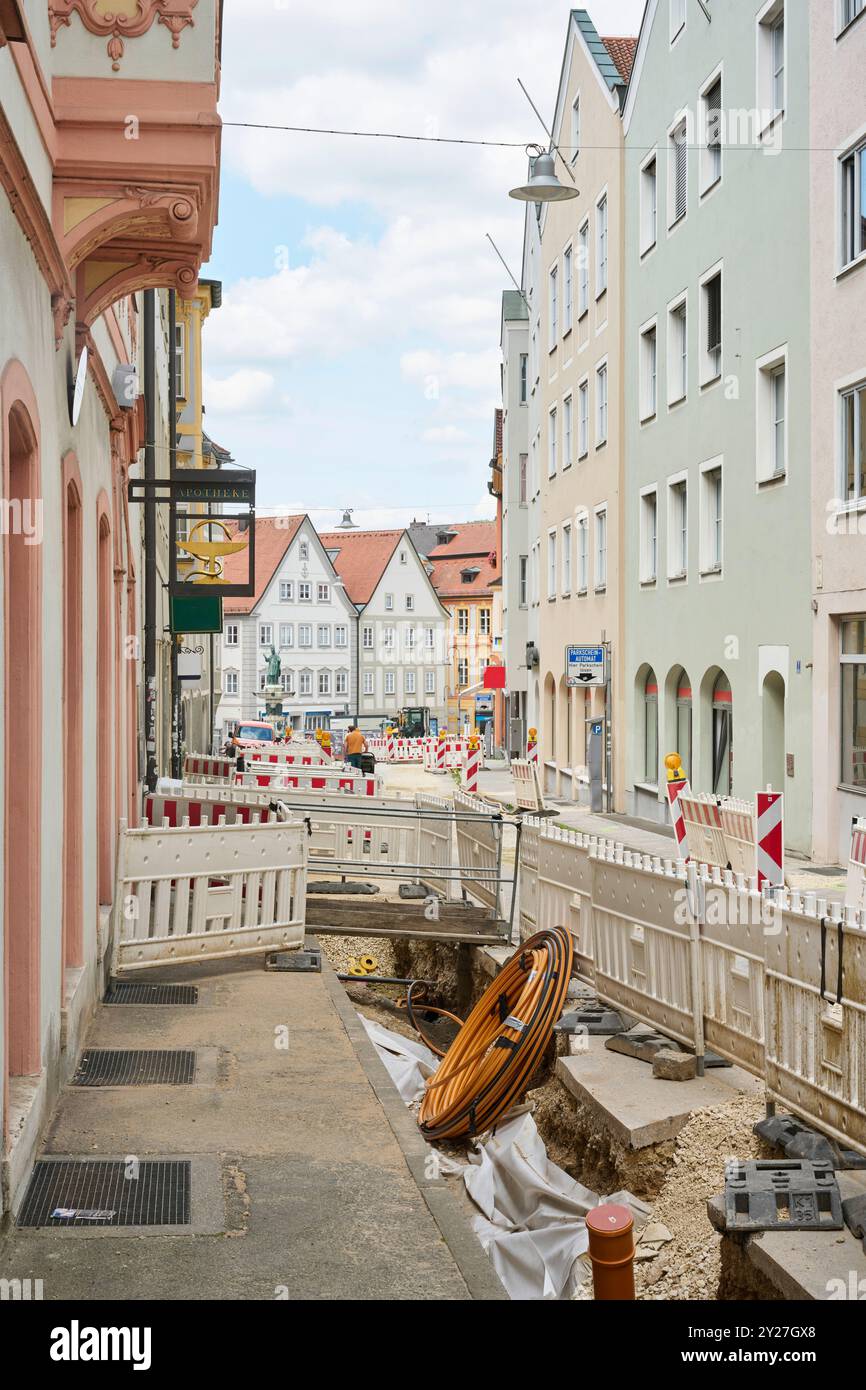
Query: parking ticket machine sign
point(584, 666)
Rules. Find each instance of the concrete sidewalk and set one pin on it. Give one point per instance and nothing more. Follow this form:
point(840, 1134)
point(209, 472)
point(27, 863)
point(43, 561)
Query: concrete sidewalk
point(315, 1164)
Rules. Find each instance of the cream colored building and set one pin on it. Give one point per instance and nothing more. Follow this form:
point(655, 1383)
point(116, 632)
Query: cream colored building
point(576, 373)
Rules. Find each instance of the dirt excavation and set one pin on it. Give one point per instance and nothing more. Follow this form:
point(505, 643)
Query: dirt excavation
point(675, 1178)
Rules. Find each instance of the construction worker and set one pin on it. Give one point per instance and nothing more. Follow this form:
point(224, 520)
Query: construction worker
point(356, 744)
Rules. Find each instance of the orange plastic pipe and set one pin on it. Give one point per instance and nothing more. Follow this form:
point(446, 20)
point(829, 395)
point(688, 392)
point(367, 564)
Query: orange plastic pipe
point(611, 1250)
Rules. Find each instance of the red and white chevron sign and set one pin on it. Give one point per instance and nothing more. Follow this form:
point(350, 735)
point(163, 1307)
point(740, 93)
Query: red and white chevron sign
point(675, 788)
point(770, 839)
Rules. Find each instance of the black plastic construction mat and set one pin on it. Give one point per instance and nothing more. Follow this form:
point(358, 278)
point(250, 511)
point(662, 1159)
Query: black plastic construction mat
point(102, 1192)
point(146, 992)
point(102, 1066)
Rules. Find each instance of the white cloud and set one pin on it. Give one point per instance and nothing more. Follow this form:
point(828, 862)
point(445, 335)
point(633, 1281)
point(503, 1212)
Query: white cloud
point(243, 391)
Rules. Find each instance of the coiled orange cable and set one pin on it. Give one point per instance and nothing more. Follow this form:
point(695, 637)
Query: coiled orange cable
point(496, 1052)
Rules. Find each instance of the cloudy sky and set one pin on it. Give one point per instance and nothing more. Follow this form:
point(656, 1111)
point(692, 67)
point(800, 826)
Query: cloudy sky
point(355, 360)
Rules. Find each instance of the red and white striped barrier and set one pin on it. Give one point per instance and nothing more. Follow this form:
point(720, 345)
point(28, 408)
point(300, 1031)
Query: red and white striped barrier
point(738, 828)
point(471, 768)
point(677, 787)
point(177, 810)
point(703, 824)
point(198, 768)
point(390, 748)
point(532, 750)
point(309, 779)
point(769, 830)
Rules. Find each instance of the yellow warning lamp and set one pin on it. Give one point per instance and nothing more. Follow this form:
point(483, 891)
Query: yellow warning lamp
point(533, 734)
point(210, 554)
point(674, 765)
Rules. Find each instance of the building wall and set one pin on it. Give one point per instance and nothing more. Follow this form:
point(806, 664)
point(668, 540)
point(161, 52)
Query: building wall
point(838, 297)
point(249, 657)
point(474, 648)
point(515, 520)
point(752, 620)
point(585, 482)
point(403, 577)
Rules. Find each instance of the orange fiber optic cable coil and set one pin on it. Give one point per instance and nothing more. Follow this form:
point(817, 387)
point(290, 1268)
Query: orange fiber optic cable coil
point(492, 1059)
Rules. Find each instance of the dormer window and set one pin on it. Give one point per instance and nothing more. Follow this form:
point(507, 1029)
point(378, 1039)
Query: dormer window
point(470, 573)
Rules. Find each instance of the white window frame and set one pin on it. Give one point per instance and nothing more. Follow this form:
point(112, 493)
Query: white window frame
point(575, 127)
point(429, 682)
point(678, 527)
point(305, 591)
point(851, 203)
point(367, 637)
point(388, 635)
point(324, 683)
point(233, 685)
point(712, 550)
point(567, 431)
point(410, 603)
point(648, 370)
point(708, 375)
point(341, 682)
point(649, 199)
point(602, 248)
point(567, 290)
point(303, 550)
point(767, 20)
point(711, 163)
point(853, 387)
point(583, 287)
point(409, 683)
point(523, 581)
point(369, 688)
point(389, 603)
point(602, 403)
point(390, 683)
point(462, 622)
point(581, 522)
point(553, 305)
point(678, 349)
point(409, 637)
point(649, 535)
point(287, 636)
point(552, 441)
point(323, 593)
point(566, 559)
point(552, 575)
point(233, 628)
point(269, 629)
point(583, 418)
point(323, 636)
point(305, 635)
point(849, 10)
point(305, 683)
point(287, 591)
point(676, 219)
point(341, 635)
point(524, 378)
point(180, 385)
point(600, 565)
point(429, 638)
point(767, 369)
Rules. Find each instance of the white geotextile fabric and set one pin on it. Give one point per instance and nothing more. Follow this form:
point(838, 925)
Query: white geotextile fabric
point(532, 1221)
point(407, 1062)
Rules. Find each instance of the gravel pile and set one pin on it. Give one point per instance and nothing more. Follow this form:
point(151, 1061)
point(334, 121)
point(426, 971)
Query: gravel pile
point(342, 950)
point(688, 1267)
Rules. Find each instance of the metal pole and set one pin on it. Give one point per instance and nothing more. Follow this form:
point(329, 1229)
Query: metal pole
point(608, 732)
point(172, 523)
point(515, 879)
point(150, 543)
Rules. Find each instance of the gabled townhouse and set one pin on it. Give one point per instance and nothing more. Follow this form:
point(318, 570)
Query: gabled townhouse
point(577, 380)
point(465, 566)
point(837, 237)
point(302, 611)
point(717, 574)
point(401, 648)
point(514, 344)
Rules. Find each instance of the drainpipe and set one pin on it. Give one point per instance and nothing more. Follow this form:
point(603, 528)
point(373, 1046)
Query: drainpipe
point(172, 527)
point(150, 543)
point(358, 669)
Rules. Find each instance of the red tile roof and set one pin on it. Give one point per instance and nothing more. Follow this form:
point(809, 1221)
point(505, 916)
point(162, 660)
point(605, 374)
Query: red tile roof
point(473, 538)
point(622, 52)
point(274, 535)
point(362, 560)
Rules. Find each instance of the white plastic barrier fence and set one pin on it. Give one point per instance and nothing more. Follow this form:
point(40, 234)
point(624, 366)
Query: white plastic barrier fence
point(479, 850)
point(527, 790)
point(291, 756)
point(271, 776)
point(198, 768)
point(208, 893)
point(738, 831)
point(855, 891)
point(703, 821)
point(776, 982)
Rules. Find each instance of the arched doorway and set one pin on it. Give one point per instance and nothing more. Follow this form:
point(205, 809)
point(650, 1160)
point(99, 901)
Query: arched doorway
point(73, 716)
point(22, 724)
point(773, 731)
point(104, 672)
point(683, 719)
point(549, 724)
point(651, 729)
point(723, 736)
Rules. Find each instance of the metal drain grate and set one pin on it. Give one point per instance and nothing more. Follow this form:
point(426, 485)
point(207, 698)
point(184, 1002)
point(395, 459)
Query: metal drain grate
point(102, 1066)
point(103, 1192)
point(137, 992)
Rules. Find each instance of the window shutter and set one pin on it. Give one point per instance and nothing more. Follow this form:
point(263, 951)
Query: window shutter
point(714, 314)
point(714, 115)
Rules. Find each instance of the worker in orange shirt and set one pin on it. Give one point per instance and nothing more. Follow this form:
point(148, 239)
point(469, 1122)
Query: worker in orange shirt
point(356, 744)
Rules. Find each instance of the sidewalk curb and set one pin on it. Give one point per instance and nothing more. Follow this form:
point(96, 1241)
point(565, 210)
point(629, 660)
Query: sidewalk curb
point(478, 1273)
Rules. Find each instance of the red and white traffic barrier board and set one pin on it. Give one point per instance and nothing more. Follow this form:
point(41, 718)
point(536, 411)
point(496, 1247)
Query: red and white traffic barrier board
point(675, 787)
point(532, 750)
point(471, 766)
point(770, 839)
